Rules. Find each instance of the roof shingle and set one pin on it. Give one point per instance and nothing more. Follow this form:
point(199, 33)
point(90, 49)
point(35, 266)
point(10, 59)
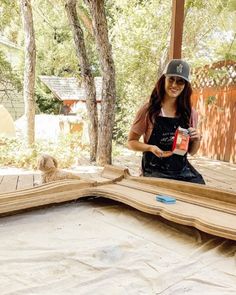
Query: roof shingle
point(70, 88)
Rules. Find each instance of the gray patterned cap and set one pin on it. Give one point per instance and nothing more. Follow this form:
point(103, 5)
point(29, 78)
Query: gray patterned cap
point(178, 67)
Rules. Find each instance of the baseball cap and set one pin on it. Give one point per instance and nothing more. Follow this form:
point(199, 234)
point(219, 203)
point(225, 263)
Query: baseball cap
point(178, 67)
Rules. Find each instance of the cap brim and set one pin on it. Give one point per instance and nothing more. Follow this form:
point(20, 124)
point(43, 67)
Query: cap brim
point(176, 75)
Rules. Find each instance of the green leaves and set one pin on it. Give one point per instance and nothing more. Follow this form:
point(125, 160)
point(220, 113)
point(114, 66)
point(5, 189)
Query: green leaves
point(139, 34)
point(9, 11)
point(15, 152)
point(139, 31)
point(8, 76)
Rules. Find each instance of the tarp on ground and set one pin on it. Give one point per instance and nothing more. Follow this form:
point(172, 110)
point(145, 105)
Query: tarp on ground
point(102, 247)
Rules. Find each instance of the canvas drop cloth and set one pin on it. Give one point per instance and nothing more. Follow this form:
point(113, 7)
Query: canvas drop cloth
point(103, 247)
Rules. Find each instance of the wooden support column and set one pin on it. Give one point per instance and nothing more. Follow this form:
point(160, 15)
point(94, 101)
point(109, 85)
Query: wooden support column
point(176, 28)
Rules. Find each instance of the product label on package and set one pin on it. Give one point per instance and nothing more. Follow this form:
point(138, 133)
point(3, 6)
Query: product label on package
point(181, 142)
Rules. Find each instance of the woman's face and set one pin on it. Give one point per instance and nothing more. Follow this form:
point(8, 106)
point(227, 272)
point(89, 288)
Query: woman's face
point(174, 86)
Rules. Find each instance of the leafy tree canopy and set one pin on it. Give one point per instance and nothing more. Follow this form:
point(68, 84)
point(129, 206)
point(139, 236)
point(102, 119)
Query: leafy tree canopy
point(140, 35)
point(139, 32)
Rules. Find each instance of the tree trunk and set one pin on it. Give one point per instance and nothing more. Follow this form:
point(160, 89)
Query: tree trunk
point(29, 70)
point(86, 74)
point(107, 115)
point(85, 19)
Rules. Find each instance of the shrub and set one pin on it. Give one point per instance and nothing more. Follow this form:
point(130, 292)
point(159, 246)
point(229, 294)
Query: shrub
point(14, 152)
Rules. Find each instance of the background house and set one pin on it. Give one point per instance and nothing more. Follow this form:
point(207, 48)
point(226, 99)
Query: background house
point(71, 92)
point(10, 98)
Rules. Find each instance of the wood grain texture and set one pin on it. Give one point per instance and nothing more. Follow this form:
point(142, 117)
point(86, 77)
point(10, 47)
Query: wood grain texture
point(209, 210)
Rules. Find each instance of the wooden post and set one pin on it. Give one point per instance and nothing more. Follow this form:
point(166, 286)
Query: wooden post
point(176, 28)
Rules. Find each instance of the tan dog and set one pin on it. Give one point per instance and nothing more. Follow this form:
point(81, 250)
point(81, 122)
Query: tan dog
point(48, 165)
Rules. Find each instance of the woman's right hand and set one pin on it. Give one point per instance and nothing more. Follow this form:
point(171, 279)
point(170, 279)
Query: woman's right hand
point(158, 152)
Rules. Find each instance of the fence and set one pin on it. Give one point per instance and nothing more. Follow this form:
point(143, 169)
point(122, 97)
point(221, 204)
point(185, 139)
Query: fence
point(214, 97)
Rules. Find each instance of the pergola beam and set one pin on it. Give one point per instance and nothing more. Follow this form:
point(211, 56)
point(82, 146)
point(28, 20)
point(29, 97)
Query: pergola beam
point(176, 29)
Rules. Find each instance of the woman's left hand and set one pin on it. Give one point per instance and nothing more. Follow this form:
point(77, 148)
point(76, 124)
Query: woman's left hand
point(194, 134)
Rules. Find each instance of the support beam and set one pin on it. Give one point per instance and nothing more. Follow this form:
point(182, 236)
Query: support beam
point(176, 28)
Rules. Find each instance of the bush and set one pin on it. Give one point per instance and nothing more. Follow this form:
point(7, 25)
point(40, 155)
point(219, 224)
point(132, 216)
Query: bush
point(14, 152)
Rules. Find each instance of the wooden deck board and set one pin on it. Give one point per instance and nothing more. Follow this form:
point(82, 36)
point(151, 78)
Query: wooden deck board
point(9, 183)
point(217, 174)
point(22, 181)
point(25, 181)
point(36, 179)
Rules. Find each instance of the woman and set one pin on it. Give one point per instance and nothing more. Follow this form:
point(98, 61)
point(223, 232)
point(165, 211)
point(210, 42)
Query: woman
point(168, 108)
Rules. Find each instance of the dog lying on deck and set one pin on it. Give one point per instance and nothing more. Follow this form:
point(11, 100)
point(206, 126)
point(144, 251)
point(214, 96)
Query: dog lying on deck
point(48, 165)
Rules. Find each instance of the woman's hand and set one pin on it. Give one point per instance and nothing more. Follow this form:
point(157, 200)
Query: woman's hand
point(194, 134)
point(158, 152)
point(135, 145)
point(195, 139)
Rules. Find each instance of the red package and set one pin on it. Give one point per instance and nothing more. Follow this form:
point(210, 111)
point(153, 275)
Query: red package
point(181, 141)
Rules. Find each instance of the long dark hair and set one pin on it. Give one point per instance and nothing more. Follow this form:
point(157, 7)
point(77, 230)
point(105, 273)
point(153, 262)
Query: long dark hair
point(184, 106)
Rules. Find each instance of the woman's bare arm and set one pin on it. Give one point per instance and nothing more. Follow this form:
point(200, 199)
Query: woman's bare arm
point(135, 144)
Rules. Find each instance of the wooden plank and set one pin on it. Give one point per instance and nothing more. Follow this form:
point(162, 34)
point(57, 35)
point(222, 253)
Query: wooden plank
point(8, 183)
point(218, 177)
point(93, 176)
point(211, 181)
point(25, 181)
point(225, 172)
point(228, 207)
point(201, 217)
point(36, 179)
point(210, 210)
